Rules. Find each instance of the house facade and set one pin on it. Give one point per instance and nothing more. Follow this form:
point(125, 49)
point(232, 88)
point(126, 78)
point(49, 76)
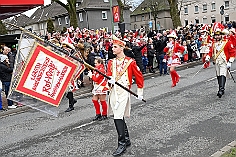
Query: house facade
point(207, 11)
point(93, 14)
point(38, 20)
point(19, 20)
point(143, 16)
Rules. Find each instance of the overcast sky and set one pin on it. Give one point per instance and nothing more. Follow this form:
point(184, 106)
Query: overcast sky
point(46, 2)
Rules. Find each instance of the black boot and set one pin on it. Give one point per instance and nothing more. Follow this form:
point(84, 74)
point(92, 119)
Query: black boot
point(120, 127)
point(70, 108)
point(97, 117)
point(127, 139)
point(71, 101)
point(221, 82)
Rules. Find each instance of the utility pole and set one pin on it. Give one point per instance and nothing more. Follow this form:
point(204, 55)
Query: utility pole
point(112, 23)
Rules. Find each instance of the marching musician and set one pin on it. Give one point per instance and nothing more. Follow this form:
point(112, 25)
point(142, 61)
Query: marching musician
point(172, 50)
point(223, 53)
point(205, 41)
point(99, 90)
point(121, 69)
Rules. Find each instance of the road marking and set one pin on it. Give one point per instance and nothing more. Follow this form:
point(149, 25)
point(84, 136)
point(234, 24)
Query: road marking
point(211, 79)
point(83, 125)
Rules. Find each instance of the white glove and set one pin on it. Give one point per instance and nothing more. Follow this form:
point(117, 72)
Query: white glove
point(90, 74)
point(139, 93)
point(207, 59)
point(111, 80)
point(228, 65)
point(140, 97)
point(169, 45)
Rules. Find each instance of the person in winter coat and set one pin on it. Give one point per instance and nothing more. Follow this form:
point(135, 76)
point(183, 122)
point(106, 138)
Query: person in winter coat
point(138, 55)
point(128, 51)
point(150, 55)
point(99, 90)
point(5, 76)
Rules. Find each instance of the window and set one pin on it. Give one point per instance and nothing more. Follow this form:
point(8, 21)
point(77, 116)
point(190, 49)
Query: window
point(104, 15)
point(42, 26)
point(204, 7)
point(81, 17)
point(196, 9)
point(136, 18)
point(226, 18)
point(226, 4)
point(213, 6)
point(59, 21)
point(185, 10)
point(135, 26)
point(106, 0)
point(196, 21)
point(204, 20)
point(186, 22)
point(213, 19)
point(143, 18)
point(67, 20)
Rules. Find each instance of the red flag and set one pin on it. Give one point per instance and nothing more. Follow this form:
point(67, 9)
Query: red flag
point(116, 13)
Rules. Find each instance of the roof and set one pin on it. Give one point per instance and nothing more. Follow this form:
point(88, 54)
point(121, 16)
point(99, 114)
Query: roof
point(46, 12)
point(144, 6)
point(98, 4)
point(20, 20)
point(10, 8)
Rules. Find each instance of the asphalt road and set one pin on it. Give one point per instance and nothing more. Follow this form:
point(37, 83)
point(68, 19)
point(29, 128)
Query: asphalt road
point(188, 120)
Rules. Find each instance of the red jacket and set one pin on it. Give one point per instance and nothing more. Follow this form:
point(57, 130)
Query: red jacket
point(177, 48)
point(229, 50)
point(133, 70)
point(98, 78)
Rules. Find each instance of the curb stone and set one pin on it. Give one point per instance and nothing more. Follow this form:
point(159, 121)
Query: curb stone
point(226, 148)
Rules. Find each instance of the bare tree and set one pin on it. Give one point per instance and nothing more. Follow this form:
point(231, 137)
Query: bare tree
point(71, 9)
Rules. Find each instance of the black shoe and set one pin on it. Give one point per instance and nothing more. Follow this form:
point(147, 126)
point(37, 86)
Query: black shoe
point(69, 109)
point(97, 117)
point(127, 142)
point(120, 149)
point(104, 117)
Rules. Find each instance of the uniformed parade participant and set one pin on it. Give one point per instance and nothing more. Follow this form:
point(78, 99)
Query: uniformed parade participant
point(223, 53)
point(100, 89)
point(172, 49)
point(121, 69)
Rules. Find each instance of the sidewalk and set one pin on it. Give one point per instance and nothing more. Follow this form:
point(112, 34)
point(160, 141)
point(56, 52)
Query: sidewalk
point(84, 91)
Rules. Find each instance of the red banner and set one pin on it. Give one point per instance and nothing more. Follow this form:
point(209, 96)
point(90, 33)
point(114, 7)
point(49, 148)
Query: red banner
point(116, 13)
point(46, 76)
point(21, 2)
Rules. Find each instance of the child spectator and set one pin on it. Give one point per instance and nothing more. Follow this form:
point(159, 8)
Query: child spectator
point(145, 62)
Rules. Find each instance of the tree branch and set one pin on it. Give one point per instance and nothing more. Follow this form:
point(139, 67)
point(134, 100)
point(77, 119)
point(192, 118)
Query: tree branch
point(62, 4)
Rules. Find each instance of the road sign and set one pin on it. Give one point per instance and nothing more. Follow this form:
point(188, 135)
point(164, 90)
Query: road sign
point(150, 24)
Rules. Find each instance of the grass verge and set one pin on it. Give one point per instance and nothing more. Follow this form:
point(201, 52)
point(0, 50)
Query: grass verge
point(230, 153)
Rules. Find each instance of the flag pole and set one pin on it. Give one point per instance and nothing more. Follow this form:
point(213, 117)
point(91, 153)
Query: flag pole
point(74, 57)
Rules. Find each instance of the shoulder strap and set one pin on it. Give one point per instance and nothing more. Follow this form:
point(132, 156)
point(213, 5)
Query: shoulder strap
point(124, 69)
point(222, 48)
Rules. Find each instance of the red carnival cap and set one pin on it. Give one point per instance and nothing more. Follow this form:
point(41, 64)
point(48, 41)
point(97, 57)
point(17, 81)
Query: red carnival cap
point(117, 41)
